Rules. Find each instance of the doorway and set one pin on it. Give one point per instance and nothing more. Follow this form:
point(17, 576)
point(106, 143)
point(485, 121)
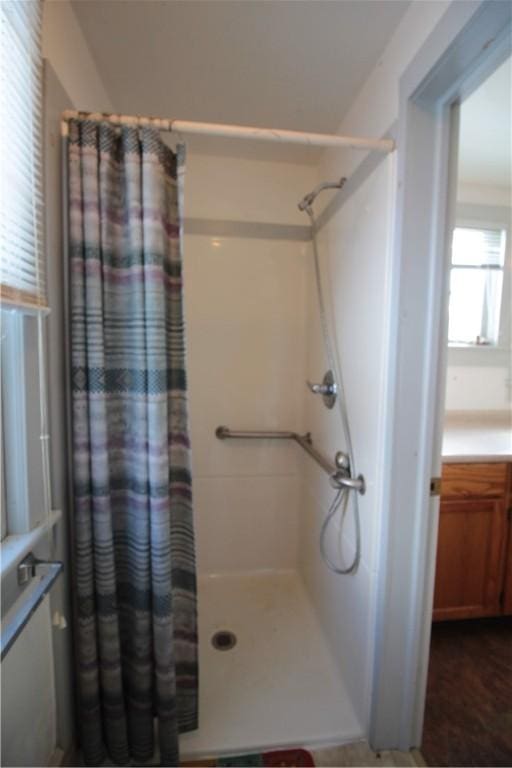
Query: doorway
point(468, 716)
point(471, 41)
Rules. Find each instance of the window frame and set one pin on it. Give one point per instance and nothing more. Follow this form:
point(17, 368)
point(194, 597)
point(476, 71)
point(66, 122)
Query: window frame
point(25, 476)
point(24, 434)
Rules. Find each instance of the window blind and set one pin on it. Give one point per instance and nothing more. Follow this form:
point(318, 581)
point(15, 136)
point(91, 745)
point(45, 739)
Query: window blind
point(22, 273)
point(480, 247)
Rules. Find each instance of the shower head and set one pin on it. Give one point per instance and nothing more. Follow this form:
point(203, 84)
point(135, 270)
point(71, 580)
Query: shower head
point(308, 200)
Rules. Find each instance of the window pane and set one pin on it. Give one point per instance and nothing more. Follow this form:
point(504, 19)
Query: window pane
point(492, 304)
point(476, 284)
point(25, 465)
point(478, 247)
point(467, 292)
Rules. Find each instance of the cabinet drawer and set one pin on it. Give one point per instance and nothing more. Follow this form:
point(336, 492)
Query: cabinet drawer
point(462, 480)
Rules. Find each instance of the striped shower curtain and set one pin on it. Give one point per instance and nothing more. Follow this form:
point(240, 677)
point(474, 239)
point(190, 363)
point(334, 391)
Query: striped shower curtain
point(135, 581)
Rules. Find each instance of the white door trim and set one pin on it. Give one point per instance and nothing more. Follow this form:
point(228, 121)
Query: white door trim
point(471, 39)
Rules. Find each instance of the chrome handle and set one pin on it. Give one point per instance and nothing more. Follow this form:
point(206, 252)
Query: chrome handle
point(29, 566)
point(327, 389)
point(343, 480)
point(342, 461)
point(12, 628)
point(355, 483)
point(322, 389)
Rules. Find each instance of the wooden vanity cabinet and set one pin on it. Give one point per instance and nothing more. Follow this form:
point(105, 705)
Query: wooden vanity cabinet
point(474, 551)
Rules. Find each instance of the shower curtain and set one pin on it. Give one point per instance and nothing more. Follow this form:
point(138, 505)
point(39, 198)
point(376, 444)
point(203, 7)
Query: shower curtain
point(134, 565)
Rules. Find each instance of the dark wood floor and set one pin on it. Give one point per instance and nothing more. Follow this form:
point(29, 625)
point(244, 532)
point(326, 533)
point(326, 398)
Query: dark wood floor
point(468, 718)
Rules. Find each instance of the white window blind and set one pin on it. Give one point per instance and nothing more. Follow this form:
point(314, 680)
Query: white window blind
point(474, 247)
point(22, 275)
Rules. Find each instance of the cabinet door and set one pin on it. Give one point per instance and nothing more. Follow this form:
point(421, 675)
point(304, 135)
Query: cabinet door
point(470, 557)
point(507, 590)
point(507, 586)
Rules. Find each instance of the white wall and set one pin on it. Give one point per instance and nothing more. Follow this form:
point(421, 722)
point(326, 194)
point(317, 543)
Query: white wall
point(66, 48)
point(355, 245)
point(28, 695)
point(478, 388)
point(245, 327)
point(483, 194)
point(375, 108)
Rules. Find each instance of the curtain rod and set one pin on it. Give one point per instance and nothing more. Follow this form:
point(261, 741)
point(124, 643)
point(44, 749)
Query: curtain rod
point(235, 131)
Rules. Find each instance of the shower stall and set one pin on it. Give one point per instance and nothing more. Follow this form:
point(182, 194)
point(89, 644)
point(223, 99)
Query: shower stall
point(284, 496)
point(295, 666)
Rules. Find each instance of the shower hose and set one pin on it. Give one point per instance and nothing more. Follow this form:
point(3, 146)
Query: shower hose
point(342, 497)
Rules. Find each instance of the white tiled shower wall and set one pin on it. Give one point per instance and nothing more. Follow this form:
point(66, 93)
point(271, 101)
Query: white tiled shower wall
point(356, 249)
point(245, 314)
point(354, 254)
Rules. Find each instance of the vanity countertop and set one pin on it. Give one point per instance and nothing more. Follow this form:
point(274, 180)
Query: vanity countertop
point(477, 436)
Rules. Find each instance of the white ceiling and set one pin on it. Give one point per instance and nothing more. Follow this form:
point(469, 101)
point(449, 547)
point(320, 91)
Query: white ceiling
point(486, 132)
point(295, 65)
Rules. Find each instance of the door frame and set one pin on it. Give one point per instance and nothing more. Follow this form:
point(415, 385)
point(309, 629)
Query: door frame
point(468, 43)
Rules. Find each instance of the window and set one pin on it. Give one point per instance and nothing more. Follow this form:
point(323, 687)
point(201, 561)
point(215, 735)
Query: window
point(24, 460)
point(22, 282)
point(476, 286)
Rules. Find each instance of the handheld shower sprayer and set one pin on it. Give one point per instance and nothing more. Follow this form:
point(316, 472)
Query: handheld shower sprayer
point(333, 391)
point(308, 200)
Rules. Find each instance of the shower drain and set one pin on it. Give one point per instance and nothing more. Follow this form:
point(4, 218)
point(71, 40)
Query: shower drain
point(224, 640)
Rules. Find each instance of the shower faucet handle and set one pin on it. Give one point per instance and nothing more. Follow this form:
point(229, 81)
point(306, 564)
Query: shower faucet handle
point(342, 461)
point(327, 389)
point(321, 389)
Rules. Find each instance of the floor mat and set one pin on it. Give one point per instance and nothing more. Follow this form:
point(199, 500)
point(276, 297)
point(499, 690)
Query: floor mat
point(282, 757)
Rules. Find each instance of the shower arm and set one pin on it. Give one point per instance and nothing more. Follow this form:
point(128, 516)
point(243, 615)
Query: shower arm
point(338, 471)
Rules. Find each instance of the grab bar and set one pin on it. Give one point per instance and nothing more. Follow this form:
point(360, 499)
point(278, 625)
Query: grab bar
point(306, 443)
point(338, 471)
point(224, 432)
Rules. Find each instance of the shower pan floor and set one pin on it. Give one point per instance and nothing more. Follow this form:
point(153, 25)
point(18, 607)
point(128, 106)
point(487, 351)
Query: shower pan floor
point(279, 685)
